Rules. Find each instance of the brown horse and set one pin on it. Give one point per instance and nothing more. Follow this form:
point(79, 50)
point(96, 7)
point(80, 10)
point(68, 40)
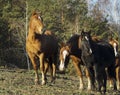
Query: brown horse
point(115, 45)
point(43, 46)
point(70, 50)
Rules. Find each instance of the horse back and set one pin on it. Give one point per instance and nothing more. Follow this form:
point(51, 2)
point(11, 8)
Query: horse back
point(105, 52)
point(49, 44)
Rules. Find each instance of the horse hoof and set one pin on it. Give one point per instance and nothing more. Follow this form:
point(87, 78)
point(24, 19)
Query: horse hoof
point(43, 83)
point(53, 80)
point(36, 82)
point(111, 86)
point(81, 88)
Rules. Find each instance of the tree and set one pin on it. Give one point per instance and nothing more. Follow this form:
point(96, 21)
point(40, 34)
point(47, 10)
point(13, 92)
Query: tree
point(4, 34)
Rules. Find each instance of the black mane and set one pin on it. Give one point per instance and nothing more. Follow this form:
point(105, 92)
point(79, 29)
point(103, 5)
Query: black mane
point(73, 41)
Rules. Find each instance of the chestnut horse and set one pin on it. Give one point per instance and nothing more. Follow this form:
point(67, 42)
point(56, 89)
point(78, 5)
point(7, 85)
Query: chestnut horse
point(115, 45)
point(70, 50)
point(43, 46)
point(98, 56)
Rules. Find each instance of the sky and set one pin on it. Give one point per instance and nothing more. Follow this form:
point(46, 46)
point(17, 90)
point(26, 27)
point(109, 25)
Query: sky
point(113, 9)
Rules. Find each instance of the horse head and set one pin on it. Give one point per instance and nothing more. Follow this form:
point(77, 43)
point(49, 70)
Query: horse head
point(36, 23)
point(114, 44)
point(85, 42)
point(64, 56)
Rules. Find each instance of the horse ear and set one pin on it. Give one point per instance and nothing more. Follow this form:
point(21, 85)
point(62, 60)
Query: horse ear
point(34, 13)
point(62, 44)
point(89, 32)
point(40, 13)
point(69, 46)
point(82, 32)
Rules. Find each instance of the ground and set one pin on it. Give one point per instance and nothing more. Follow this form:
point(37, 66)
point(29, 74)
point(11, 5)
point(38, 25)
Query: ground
point(21, 82)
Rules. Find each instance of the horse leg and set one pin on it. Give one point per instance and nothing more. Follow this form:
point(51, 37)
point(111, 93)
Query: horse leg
point(52, 69)
point(112, 75)
point(78, 68)
point(111, 83)
point(91, 78)
point(118, 77)
point(105, 81)
point(54, 72)
point(118, 73)
point(42, 68)
point(98, 77)
point(35, 66)
point(46, 65)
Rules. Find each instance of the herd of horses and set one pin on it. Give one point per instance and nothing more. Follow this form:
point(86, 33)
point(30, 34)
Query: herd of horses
point(100, 58)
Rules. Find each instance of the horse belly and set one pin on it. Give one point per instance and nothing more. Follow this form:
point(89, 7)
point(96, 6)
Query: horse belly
point(50, 48)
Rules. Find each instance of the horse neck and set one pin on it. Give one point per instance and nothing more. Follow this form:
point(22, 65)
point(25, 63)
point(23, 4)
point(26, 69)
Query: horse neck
point(93, 44)
point(31, 35)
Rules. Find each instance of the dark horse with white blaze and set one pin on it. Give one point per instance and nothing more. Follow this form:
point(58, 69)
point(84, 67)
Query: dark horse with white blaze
point(70, 50)
point(98, 56)
point(43, 46)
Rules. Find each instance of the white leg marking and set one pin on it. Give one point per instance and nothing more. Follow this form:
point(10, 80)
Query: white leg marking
point(81, 83)
point(89, 84)
point(43, 78)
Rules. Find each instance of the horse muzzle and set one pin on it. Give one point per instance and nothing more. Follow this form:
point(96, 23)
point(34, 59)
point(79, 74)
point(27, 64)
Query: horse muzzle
point(61, 67)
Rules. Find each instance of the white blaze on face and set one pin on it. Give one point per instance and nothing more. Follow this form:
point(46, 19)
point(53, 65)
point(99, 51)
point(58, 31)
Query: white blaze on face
point(62, 62)
point(39, 26)
point(89, 44)
point(114, 46)
point(86, 38)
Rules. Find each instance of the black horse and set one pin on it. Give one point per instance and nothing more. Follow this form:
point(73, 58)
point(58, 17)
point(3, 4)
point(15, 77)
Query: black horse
point(99, 56)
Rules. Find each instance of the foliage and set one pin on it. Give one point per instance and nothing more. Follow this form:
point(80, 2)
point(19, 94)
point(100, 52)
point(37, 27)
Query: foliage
point(4, 38)
point(12, 24)
point(63, 17)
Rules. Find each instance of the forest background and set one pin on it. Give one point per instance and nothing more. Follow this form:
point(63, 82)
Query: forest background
point(63, 17)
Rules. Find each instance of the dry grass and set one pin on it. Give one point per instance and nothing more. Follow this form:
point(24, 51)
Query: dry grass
point(21, 82)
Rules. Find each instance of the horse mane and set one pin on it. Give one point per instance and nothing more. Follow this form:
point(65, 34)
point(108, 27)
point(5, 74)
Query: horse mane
point(48, 32)
point(73, 43)
point(73, 38)
point(96, 39)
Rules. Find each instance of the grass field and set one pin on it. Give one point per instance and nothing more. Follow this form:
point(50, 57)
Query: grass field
point(21, 82)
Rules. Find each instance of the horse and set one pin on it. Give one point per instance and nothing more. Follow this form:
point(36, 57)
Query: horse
point(99, 56)
point(43, 46)
point(115, 44)
point(70, 50)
